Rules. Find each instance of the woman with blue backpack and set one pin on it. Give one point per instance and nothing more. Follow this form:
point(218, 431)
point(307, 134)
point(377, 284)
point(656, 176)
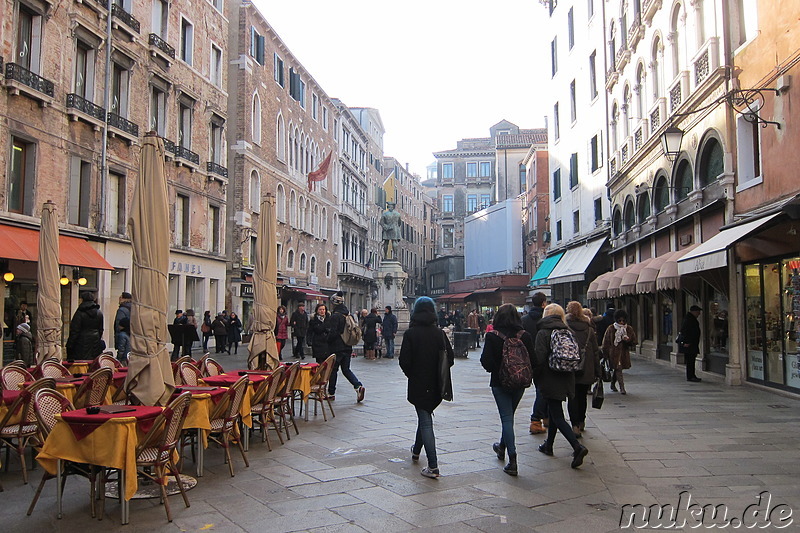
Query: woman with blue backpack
point(554, 367)
point(507, 354)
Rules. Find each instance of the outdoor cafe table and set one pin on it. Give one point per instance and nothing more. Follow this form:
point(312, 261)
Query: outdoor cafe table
point(227, 379)
point(78, 366)
point(104, 439)
point(69, 386)
point(199, 416)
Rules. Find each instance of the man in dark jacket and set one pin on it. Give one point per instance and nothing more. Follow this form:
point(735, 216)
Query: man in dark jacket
point(604, 322)
point(299, 324)
point(342, 351)
point(177, 341)
point(122, 327)
point(85, 339)
point(389, 330)
point(690, 341)
point(442, 318)
point(530, 323)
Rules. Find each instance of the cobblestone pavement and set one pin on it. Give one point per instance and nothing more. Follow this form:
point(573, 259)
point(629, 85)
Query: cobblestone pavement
point(719, 444)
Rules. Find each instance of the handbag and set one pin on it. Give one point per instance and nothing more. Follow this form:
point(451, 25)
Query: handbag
point(598, 395)
point(445, 380)
point(606, 372)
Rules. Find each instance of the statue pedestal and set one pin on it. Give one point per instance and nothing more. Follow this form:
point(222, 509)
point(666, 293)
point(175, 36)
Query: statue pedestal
point(391, 280)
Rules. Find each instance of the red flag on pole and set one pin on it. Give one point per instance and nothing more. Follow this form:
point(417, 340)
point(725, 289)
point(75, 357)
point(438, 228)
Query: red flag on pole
point(321, 173)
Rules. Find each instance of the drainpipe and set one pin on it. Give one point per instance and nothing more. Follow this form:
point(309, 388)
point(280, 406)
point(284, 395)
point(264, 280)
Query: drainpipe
point(101, 222)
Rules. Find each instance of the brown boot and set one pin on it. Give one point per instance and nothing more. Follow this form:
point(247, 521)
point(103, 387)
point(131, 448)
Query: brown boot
point(621, 381)
point(537, 428)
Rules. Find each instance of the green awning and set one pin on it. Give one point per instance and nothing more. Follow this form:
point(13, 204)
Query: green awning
point(544, 270)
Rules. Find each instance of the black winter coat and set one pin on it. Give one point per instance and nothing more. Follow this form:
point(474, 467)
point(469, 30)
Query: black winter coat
point(389, 327)
point(318, 331)
point(219, 328)
point(492, 355)
point(336, 328)
point(235, 330)
point(549, 383)
point(419, 359)
point(371, 322)
point(531, 321)
point(299, 323)
point(85, 332)
point(690, 331)
point(587, 341)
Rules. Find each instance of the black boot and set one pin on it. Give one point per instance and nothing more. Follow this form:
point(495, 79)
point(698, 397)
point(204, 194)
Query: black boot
point(511, 467)
point(500, 450)
point(578, 455)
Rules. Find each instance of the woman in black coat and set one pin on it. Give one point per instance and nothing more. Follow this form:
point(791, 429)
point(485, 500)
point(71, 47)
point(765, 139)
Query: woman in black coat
point(234, 333)
point(317, 335)
point(85, 339)
point(508, 323)
point(419, 360)
point(554, 386)
point(220, 331)
point(370, 325)
point(583, 329)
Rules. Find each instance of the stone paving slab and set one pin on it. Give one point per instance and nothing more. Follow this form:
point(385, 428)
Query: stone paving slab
point(723, 445)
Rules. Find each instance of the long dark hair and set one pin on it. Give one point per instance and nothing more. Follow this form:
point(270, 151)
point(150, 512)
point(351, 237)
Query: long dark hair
point(507, 317)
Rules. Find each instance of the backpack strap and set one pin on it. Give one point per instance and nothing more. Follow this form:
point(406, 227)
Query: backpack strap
point(497, 332)
point(520, 333)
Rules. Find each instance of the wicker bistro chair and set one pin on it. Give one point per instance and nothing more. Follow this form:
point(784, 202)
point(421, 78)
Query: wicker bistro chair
point(176, 367)
point(47, 404)
point(106, 360)
point(212, 368)
point(93, 391)
point(189, 374)
point(20, 435)
point(53, 369)
point(319, 387)
point(156, 451)
point(225, 421)
point(201, 362)
point(264, 404)
point(13, 376)
point(284, 406)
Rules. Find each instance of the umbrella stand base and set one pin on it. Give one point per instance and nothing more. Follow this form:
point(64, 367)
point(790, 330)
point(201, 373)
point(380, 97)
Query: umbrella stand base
point(149, 488)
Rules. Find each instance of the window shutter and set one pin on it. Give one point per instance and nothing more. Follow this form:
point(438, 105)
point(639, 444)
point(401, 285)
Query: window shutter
point(260, 57)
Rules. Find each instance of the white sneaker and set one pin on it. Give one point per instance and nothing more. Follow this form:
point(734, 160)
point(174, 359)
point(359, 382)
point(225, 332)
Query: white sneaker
point(430, 472)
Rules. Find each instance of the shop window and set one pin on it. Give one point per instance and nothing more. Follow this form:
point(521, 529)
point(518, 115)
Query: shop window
point(716, 321)
point(648, 321)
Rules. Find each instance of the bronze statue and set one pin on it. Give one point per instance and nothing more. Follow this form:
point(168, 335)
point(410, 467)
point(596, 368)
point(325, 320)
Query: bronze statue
point(390, 222)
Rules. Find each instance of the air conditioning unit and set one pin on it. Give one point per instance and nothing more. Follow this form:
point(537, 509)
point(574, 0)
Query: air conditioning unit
point(546, 236)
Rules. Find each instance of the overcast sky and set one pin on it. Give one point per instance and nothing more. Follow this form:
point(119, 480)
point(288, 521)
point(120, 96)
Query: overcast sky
point(437, 70)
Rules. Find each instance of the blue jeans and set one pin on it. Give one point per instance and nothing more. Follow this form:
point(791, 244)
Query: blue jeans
point(425, 437)
point(122, 341)
point(389, 347)
point(507, 402)
point(539, 407)
point(343, 362)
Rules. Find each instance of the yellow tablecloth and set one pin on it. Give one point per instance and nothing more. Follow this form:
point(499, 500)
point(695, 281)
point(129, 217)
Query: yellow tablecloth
point(69, 390)
point(112, 444)
point(247, 417)
point(79, 367)
point(199, 415)
point(304, 380)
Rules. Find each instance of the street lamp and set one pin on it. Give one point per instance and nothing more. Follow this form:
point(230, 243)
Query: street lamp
point(671, 142)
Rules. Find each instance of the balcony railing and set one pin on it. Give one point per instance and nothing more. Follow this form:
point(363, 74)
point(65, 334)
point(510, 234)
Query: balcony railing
point(635, 32)
point(117, 11)
point(83, 105)
point(123, 124)
point(638, 139)
point(655, 118)
point(161, 44)
point(188, 155)
point(26, 77)
point(675, 97)
point(216, 168)
point(169, 146)
point(623, 153)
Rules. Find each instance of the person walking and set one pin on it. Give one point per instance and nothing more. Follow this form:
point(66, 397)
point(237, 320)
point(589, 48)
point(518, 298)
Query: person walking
point(180, 332)
point(234, 332)
point(531, 324)
point(318, 333)
point(555, 386)
point(343, 352)
point(122, 327)
point(24, 344)
point(689, 345)
point(617, 342)
point(205, 329)
point(281, 330)
point(419, 359)
point(85, 339)
point(389, 330)
point(581, 327)
point(603, 322)
point(507, 325)
point(370, 328)
point(220, 331)
point(299, 324)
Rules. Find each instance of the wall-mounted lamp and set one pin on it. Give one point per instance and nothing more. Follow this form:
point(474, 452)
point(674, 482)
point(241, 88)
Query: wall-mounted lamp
point(76, 276)
point(671, 142)
point(64, 280)
point(7, 274)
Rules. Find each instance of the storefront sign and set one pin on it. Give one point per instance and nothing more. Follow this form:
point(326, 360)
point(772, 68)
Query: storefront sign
point(292, 281)
point(313, 280)
point(185, 268)
point(246, 290)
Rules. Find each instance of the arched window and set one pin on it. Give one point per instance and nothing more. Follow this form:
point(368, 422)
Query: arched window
point(280, 138)
point(302, 262)
point(612, 43)
point(675, 40)
point(328, 269)
point(302, 218)
point(630, 215)
point(661, 194)
point(290, 260)
point(293, 209)
point(657, 68)
point(256, 119)
point(255, 192)
point(324, 220)
point(315, 222)
point(626, 112)
point(639, 90)
point(684, 182)
point(711, 163)
point(291, 146)
point(280, 203)
point(313, 269)
point(307, 222)
point(644, 207)
point(617, 222)
point(614, 129)
point(623, 26)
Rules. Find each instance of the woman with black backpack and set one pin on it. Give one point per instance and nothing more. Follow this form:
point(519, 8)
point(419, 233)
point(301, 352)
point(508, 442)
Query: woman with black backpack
point(507, 330)
point(553, 385)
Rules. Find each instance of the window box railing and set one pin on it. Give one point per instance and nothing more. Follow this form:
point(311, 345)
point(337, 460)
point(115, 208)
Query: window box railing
point(118, 12)
point(678, 91)
point(187, 155)
point(638, 139)
point(623, 153)
point(706, 61)
point(657, 114)
point(217, 169)
point(161, 45)
point(79, 103)
point(19, 75)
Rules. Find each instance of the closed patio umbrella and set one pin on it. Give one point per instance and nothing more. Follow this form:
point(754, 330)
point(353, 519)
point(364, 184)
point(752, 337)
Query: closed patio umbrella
point(262, 347)
point(150, 377)
point(48, 296)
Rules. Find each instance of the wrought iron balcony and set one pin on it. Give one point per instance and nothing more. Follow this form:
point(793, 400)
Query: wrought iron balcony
point(24, 76)
point(123, 124)
point(188, 155)
point(162, 45)
point(215, 168)
point(83, 105)
point(119, 12)
point(169, 146)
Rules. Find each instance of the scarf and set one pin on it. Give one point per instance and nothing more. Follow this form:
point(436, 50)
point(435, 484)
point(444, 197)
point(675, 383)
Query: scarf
point(620, 330)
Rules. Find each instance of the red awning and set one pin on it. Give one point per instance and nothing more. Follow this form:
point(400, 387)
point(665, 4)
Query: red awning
point(456, 296)
point(485, 291)
point(22, 244)
point(311, 294)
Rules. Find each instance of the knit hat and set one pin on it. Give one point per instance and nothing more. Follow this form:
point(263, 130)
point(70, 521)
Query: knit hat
point(424, 303)
point(126, 295)
point(24, 327)
point(338, 298)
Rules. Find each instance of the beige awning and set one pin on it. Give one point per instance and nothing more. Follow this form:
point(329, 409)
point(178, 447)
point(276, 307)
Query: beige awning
point(616, 282)
point(646, 283)
point(668, 276)
point(631, 276)
point(598, 286)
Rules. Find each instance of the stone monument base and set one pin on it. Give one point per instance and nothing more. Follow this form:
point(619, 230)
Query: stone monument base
point(391, 280)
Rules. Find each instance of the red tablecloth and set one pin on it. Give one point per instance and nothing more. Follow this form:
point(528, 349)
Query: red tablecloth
point(82, 423)
point(229, 378)
point(216, 393)
point(10, 396)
